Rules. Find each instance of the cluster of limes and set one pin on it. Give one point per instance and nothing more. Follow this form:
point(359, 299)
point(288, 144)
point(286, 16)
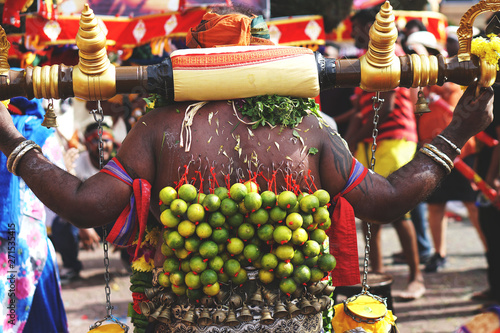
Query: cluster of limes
point(212, 238)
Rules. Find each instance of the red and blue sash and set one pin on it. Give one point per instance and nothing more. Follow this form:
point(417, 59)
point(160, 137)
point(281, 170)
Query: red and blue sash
point(135, 216)
point(342, 232)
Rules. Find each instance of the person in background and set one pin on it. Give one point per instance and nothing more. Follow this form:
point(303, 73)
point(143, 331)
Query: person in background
point(396, 145)
point(30, 294)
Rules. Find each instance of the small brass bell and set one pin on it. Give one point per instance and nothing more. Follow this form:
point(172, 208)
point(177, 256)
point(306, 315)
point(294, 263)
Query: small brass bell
point(316, 305)
point(222, 296)
point(231, 319)
point(269, 296)
point(306, 307)
point(189, 317)
point(165, 315)
point(245, 314)
point(151, 292)
point(50, 118)
point(207, 301)
point(147, 308)
point(421, 106)
point(235, 301)
point(280, 311)
point(154, 316)
point(293, 310)
point(266, 317)
point(219, 316)
point(205, 319)
point(257, 297)
point(326, 302)
point(328, 290)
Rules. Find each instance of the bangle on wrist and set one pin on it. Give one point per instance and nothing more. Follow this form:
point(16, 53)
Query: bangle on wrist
point(436, 159)
point(452, 145)
point(19, 153)
point(441, 155)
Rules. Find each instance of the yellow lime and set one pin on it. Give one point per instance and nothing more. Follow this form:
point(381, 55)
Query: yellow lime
point(294, 221)
point(236, 220)
point(269, 261)
point(175, 240)
point(309, 204)
point(277, 215)
point(323, 196)
point(192, 280)
point(216, 263)
point(295, 209)
point(240, 277)
point(259, 217)
point(216, 219)
point(311, 248)
point(288, 286)
point(285, 252)
point(251, 186)
point(197, 264)
point(208, 249)
point(265, 232)
point(192, 244)
point(171, 265)
point(187, 192)
point(316, 274)
point(232, 266)
point(246, 231)
point(177, 278)
point(252, 201)
point(195, 212)
point(199, 198)
point(208, 277)
point(299, 236)
point(235, 246)
point(182, 253)
point(242, 209)
point(321, 215)
point(212, 290)
point(169, 219)
point(266, 276)
point(282, 234)
point(326, 225)
point(222, 193)
point(284, 270)
point(178, 207)
point(302, 274)
point(287, 200)
point(186, 228)
point(220, 235)
point(268, 199)
point(167, 195)
point(251, 252)
point(166, 251)
point(179, 290)
point(228, 207)
point(211, 202)
point(238, 191)
point(327, 262)
point(204, 230)
point(318, 235)
point(164, 280)
point(298, 258)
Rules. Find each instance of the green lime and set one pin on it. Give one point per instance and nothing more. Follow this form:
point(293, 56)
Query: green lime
point(240, 277)
point(242, 209)
point(192, 280)
point(282, 234)
point(208, 277)
point(185, 266)
point(216, 219)
point(298, 258)
point(211, 202)
point(171, 265)
point(175, 240)
point(228, 207)
point(294, 209)
point(238, 191)
point(194, 294)
point(268, 199)
point(186, 228)
point(307, 220)
point(179, 290)
point(316, 275)
point(326, 225)
point(235, 246)
point(182, 253)
point(199, 198)
point(321, 215)
point(269, 261)
point(294, 221)
point(222, 193)
point(222, 248)
point(195, 212)
point(309, 204)
point(285, 252)
point(299, 236)
point(265, 232)
point(166, 251)
point(277, 215)
point(164, 280)
point(287, 200)
point(177, 278)
point(323, 196)
point(178, 207)
point(197, 264)
point(259, 217)
point(167, 195)
point(246, 231)
point(216, 263)
point(311, 261)
point(223, 277)
point(284, 269)
point(327, 262)
point(251, 186)
point(252, 201)
point(251, 252)
point(187, 192)
point(288, 286)
point(212, 290)
point(236, 220)
point(169, 219)
point(311, 248)
point(266, 276)
point(231, 266)
point(204, 230)
point(220, 235)
point(208, 249)
point(302, 274)
point(318, 235)
point(192, 244)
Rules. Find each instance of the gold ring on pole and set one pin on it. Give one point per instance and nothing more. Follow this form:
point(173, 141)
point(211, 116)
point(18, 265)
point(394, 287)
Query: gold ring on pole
point(54, 81)
point(37, 75)
point(417, 67)
point(424, 60)
point(433, 70)
point(45, 81)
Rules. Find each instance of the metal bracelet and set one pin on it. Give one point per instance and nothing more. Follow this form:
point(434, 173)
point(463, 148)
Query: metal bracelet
point(16, 151)
point(452, 145)
point(436, 159)
point(439, 153)
point(21, 154)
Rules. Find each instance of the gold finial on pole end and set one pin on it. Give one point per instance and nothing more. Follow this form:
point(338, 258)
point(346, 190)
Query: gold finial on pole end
point(4, 52)
point(383, 36)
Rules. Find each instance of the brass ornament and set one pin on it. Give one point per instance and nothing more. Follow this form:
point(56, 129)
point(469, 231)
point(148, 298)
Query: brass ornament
point(305, 306)
point(256, 298)
point(165, 315)
point(245, 314)
point(205, 319)
point(421, 106)
point(266, 317)
point(231, 319)
point(219, 316)
point(147, 308)
point(189, 317)
point(4, 53)
point(280, 311)
point(293, 310)
point(50, 118)
point(154, 316)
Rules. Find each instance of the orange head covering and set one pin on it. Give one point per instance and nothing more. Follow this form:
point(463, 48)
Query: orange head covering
point(227, 30)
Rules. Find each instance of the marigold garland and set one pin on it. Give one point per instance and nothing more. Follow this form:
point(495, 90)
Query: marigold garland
point(487, 49)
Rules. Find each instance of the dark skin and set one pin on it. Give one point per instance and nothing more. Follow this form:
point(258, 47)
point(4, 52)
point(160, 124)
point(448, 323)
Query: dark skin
point(101, 198)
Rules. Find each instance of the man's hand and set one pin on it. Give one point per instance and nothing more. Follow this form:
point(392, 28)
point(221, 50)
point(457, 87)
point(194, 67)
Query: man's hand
point(89, 238)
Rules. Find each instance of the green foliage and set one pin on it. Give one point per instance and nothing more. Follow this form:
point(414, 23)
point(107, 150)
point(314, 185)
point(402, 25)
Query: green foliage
point(277, 110)
point(155, 101)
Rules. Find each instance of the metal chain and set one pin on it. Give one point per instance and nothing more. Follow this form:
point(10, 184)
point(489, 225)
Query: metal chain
point(377, 105)
point(99, 119)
